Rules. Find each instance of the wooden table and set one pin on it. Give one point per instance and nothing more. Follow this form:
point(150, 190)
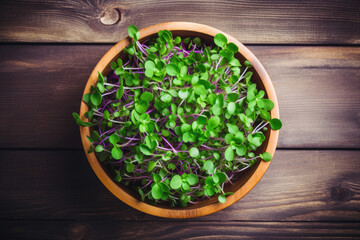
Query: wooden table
point(310, 49)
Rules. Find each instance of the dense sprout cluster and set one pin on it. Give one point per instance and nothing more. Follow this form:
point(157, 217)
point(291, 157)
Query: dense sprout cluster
point(176, 119)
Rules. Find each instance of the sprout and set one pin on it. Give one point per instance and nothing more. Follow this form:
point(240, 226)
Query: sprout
point(177, 118)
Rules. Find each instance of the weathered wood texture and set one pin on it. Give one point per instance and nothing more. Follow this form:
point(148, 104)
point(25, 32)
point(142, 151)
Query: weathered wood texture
point(298, 186)
point(317, 89)
point(260, 21)
point(176, 230)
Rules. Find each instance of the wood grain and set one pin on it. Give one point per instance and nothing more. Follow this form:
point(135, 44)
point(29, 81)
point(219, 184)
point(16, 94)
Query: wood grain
point(87, 230)
point(317, 88)
point(260, 21)
point(298, 186)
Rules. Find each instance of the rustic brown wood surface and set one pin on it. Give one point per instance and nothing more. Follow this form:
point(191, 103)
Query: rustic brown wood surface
point(260, 21)
point(298, 186)
point(317, 88)
point(94, 230)
point(310, 50)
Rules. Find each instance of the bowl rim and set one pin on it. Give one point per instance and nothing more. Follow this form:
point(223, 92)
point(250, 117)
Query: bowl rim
point(179, 213)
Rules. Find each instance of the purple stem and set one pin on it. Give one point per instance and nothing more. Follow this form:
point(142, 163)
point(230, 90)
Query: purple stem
point(104, 140)
point(136, 178)
point(109, 93)
point(172, 134)
point(164, 121)
point(168, 143)
point(100, 125)
point(107, 103)
point(131, 138)
point(147, 184)
point(179, 145)
point(127, 63)
point(128, 104)
point(217, 149)
point(220, 139)
point(109, 131)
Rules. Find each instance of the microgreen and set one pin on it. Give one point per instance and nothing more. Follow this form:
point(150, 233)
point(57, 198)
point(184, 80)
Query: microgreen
point(177, 119)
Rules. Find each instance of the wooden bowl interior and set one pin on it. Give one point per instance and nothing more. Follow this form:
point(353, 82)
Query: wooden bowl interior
point(242, 177)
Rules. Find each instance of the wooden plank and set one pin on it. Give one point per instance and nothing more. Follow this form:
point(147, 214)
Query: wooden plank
point(317, 89)
point(260, 21)
point(298, 186)
point(177, 230)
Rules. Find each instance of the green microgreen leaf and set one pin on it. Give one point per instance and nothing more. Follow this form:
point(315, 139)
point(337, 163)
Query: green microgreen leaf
point(266, 156)
point(80, 122)
point(275, 124)
point(241, 150)
point(247, 64)
point(145, 150)
point(267, 104)
point(146, 97)
point(141, 106)
point(166, 98)
point(231, 108)
point(96, 98)
point(116, 153)
point(133, 32)
point(232, 97)
point(118, 177)
point(209, 167)
point(192, 179)
point(172, 70)
point(229, 154)
point(151, 165)
point(156, 191)
point(222, 198)
point(214, 122)
point(220, 40)
point(99, 148)
point(200, 89)
point(194, 152)
point(221, 176)
point(176, 182)
point(232, 47)
point(183, 93)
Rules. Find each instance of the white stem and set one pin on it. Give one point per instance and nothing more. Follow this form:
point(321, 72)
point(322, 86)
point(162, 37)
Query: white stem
point(181, 102)
point(133, 87)
point(217, 65)
point(125, 144)
point(259, 128)
point(141, 48)
point(114, 121)
point(240, 99)
point(110, 84)
point(243, 159)
point(197, 164)
point(240, 78)
point(227, 71)
point(108, 93)
point(133, 68)
point(162, 89)
point(245, 167)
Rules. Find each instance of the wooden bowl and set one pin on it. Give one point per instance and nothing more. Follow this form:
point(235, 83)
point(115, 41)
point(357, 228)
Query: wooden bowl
point(248, 178)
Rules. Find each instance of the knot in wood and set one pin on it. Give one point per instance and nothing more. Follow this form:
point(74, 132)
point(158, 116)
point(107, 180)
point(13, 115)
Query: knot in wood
point(340, 194)
point(110, 16)
point(77, 231)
